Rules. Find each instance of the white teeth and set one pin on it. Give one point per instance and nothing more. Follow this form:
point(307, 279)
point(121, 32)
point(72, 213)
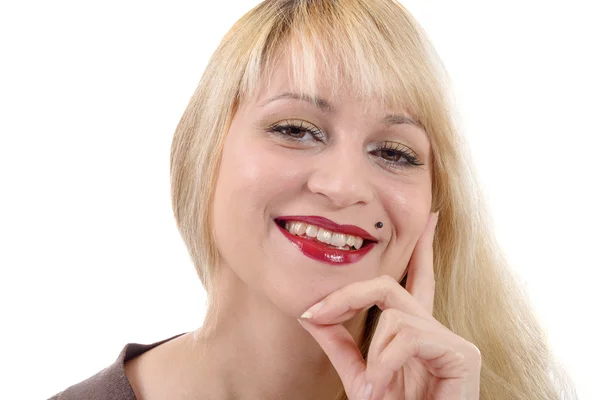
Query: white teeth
point(339, 240)
point(297, 228)
point(311, 231)
point(350, 240)
point(358, 241)
point(301, 228)
point(324, 236)
point(290, 227)
point(294, 228)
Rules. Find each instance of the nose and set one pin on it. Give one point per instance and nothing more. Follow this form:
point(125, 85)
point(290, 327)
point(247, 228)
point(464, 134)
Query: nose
point(342, 176)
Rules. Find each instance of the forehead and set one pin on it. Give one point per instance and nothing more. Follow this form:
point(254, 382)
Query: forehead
point(324, 93)
point(329, 99)
point(283, 78)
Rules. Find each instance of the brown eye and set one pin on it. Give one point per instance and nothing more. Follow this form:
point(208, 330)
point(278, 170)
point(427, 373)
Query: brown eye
point(294, 131)
point(397, 155)
point(391, 155)
point(297, 131)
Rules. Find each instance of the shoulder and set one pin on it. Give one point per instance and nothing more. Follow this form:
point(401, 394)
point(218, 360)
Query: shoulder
point(111, 383)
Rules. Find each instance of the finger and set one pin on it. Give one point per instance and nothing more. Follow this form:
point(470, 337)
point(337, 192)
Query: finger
point(420, 282)
point(345, 303)
point(436, 353)
point(345, 356)
point(390, 323)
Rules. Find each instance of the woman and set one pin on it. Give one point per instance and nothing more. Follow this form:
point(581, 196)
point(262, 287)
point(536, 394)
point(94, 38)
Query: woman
point(328, 204)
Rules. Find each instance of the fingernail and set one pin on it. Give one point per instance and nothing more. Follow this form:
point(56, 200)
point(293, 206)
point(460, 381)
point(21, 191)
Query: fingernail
point(367, 391)
point(308, 314)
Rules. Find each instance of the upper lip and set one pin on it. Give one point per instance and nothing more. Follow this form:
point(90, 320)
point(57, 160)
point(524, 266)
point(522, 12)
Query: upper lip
point(329, 225)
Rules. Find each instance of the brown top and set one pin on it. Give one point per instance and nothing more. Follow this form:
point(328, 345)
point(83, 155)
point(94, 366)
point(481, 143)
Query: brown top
point(110, 383)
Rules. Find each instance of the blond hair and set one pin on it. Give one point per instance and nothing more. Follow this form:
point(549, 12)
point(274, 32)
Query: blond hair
point(381, 52)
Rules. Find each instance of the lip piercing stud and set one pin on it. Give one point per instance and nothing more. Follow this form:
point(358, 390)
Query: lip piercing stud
point(379, 225)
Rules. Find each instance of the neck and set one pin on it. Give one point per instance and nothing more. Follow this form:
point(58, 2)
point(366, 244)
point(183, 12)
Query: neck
point(250, 349)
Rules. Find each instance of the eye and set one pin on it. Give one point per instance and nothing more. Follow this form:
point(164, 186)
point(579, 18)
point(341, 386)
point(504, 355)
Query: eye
point(397, 155)
point(296, 131)
point(393, 154)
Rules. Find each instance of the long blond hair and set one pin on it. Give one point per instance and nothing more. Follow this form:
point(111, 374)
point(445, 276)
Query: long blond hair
point(378, 48)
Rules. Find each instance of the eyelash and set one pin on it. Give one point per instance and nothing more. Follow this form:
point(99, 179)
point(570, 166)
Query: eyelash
point(411, 159)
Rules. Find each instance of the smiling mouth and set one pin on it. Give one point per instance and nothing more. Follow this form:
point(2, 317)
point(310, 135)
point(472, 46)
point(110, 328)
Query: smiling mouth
point(314, 248)
point(346, 243)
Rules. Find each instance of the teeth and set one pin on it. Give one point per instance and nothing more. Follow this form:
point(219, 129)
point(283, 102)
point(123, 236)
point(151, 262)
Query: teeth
point(311, 231)
point(337, 239)
point(358, 241)
point(297, 228)
point(301, 228)
point(350, 240)
point(324, 236)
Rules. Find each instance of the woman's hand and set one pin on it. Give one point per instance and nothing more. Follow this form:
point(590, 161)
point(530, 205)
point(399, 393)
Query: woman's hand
point(412, 355)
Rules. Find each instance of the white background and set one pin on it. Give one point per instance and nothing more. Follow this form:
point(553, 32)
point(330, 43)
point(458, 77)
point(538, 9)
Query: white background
point(91, 92)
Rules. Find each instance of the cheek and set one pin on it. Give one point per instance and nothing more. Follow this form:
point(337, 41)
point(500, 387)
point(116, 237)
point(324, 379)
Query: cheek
point(261, 174)
point(247, 175)
point(244, 184)
point(408, 208)
point(253, 176)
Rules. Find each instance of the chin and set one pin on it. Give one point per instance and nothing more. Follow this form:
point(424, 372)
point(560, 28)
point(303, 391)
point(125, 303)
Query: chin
point(294, 293)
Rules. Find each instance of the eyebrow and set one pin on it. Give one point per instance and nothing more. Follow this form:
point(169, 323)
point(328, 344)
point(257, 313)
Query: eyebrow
point(324, 106)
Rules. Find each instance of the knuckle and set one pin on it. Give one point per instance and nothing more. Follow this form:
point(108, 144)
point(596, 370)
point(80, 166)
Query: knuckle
point(469, 353)
point(410, 336)
point(386, 362)
point(388, 280)
point(389, 284)
point(392, 318)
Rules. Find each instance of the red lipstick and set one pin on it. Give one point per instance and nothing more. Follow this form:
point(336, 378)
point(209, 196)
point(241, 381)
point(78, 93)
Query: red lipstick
point(322, 252)
point(329, 225)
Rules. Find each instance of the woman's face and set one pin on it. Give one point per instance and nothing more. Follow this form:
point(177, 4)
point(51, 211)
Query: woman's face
point(338, 173)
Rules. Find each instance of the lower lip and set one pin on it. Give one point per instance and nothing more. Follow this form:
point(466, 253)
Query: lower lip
point(320, 252)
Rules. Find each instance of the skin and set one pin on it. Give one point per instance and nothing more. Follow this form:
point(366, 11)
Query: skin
point(258, 348)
